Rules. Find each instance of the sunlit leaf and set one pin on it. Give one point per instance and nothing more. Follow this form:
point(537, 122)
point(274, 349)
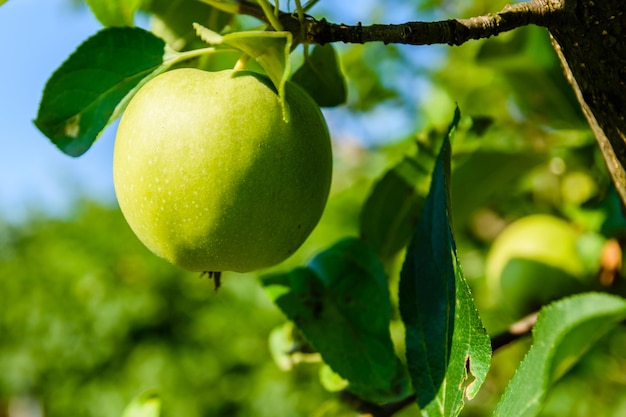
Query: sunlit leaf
point(114, 12)
point(448, 350)
point(564, 331)
point(209, 36)
point(331, 381)
point(147, 404)
point(84, 93)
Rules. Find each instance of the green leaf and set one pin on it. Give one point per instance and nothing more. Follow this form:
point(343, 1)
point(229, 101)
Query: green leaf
point(147, 404)
point(448, 350)
point(565, 330)
point(114, 12)
point(87, 92)
point(331, 381)
point(271, 50)
point(321, 77)
point(341, 304)
point(173, 21)
point(209, 36)
point(392, 210)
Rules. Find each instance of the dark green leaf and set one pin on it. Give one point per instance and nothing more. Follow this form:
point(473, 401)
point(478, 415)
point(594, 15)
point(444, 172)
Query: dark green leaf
point(147, 404)
point(564, 331)
point(321, 77)
point(392, 210)
point(341, 304)
point(448, 351)
point(87, 91)
point(114, 12)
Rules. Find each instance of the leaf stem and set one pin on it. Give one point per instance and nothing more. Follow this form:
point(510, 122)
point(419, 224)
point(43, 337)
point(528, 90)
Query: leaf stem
point(309, 4)
point(300, 10)
point(194, 53)
point(271, 15)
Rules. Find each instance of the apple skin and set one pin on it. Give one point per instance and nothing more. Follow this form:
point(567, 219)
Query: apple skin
point(535, 260)
point(210, 177)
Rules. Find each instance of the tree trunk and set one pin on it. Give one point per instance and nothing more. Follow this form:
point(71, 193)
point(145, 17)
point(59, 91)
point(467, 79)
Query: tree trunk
point(591, 45)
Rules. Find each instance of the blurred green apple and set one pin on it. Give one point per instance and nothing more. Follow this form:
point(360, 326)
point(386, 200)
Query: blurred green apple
point(211, 177)
point(535, 260)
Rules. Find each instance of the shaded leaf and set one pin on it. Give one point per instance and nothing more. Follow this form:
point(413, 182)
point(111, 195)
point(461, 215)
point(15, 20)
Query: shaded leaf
point(147, 404)
point(321, 77)
point(565, 330)
point(366, 86)
point(84, 93)
point(392, 210)
point(448, 350)
point(341, 304)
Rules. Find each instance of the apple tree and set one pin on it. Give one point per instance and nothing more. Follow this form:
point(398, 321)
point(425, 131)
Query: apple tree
point(515, 170)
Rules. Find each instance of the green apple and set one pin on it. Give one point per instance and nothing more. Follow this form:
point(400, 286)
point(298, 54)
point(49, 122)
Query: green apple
point(211, 177)
point(533, 261)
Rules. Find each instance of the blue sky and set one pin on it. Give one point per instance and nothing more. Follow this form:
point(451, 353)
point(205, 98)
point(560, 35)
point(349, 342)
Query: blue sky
point(35, 177)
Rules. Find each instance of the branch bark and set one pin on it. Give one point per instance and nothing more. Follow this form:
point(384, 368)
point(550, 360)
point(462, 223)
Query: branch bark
point(452, 31)
point(593, 55)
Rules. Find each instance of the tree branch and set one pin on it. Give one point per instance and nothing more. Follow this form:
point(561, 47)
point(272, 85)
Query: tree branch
point(452, 32)
point(516, 331)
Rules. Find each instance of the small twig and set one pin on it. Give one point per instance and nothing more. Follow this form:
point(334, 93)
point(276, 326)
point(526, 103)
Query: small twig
point(516, 331)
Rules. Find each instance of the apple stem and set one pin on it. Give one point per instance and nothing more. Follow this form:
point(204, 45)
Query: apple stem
point(216, 276)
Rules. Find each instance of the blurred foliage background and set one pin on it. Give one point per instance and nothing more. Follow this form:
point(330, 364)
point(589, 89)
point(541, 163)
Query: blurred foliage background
point(89, 318)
